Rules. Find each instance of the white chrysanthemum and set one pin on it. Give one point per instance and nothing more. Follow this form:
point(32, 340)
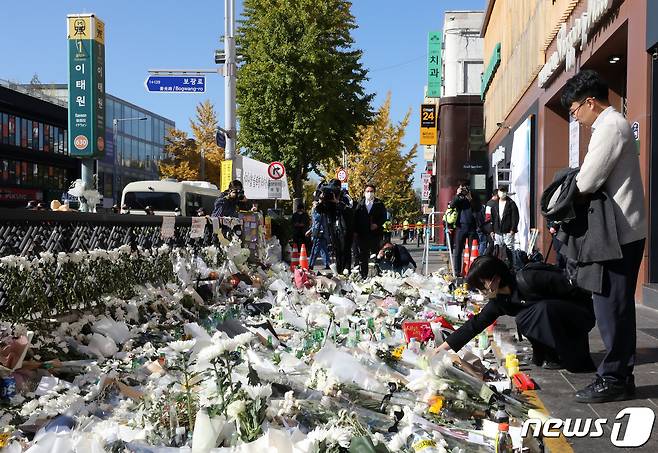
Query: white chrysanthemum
point(244, 338)
point(318, 435)
point(235, 408)
point(339, 435)
point(182, 346)
point(213, 351)
point(258, 391)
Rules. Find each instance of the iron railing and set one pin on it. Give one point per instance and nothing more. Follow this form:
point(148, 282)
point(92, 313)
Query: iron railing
point(28, 233)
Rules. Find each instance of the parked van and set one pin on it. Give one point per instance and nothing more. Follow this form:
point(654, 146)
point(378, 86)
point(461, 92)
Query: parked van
point(169, 197)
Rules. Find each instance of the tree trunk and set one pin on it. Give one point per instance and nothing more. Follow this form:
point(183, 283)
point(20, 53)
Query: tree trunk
point(298, 178)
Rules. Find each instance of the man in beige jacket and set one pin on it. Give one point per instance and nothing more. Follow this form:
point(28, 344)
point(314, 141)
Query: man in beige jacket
point(611, 164)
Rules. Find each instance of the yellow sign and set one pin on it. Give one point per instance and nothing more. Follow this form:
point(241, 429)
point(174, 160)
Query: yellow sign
point(86, 26)
point(428, 124)
point(226, 174)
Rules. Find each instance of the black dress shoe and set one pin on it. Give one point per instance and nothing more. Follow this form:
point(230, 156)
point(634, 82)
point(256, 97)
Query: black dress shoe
point(551, 365)
point(604, 390)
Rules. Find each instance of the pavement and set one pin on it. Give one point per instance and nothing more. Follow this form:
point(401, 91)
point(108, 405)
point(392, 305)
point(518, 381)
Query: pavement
point(557, 388)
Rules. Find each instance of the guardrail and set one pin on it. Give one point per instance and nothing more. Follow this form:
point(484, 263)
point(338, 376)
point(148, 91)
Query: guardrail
point(28, 233)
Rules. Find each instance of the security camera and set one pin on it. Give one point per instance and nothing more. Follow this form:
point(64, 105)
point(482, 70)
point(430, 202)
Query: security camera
point(654, 54)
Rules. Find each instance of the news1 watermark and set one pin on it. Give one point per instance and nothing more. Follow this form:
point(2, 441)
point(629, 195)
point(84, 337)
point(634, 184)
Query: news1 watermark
point(631, 428)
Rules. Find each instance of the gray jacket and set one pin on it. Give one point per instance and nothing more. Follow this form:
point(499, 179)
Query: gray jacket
point(588, 230)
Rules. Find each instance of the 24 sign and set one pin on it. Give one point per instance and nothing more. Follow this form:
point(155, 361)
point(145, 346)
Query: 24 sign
point(428, 124)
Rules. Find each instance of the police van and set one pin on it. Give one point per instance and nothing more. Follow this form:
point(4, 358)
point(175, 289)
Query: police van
point(169, 197)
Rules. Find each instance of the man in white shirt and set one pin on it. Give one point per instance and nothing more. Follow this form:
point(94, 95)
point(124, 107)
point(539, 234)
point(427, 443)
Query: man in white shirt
point(611, 164)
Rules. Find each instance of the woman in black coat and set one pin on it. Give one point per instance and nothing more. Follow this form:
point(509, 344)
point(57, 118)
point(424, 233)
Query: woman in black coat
point(555, 317)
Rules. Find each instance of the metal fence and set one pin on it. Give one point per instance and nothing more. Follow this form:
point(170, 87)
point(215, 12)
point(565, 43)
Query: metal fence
point(27, 233)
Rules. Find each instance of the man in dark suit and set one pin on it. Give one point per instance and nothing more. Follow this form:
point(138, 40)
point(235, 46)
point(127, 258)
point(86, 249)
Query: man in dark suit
point(369, 218)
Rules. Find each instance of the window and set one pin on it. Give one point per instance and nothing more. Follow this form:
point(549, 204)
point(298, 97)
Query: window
point(24, 134)
point(4, 128)
point(41, 139)
point(46, 138)
point(472, 77)
point(66, 142)
point(12, 129)
point(142, 126)
point(35, 135)
point(159, 201)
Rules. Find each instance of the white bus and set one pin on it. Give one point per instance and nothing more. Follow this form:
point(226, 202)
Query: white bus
point(170, 197)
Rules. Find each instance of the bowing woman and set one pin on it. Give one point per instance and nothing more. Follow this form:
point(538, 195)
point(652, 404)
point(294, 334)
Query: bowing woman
point(555, 316)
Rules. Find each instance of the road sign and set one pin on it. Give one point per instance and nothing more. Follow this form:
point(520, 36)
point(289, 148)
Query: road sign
point(274, 189)
point(341, 175)
point(175, 84)
point(276, 170)
point(220, 138)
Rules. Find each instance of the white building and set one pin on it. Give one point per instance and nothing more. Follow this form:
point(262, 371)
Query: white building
point(463, 61)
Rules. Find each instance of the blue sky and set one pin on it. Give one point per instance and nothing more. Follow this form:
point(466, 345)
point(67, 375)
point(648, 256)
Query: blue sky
point(143, 35)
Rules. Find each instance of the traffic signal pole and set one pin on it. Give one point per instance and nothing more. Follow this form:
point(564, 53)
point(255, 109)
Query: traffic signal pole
point(229, 78)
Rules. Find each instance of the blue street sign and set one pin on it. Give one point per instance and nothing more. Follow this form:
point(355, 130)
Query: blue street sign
point(175, 84)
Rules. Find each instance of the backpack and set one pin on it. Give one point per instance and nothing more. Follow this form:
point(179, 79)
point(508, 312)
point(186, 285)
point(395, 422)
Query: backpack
point(450, 216)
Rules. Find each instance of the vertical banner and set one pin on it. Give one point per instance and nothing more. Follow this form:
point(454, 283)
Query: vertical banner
point(520, 180)
point(574, 143)
point(428, 124)
point(434, 75)
point(226, 174)
point(86, 43)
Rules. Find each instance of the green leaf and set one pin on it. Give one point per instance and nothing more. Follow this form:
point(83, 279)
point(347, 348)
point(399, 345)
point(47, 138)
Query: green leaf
point(364, 445)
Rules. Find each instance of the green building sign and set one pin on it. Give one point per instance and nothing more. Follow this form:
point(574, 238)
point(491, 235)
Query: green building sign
point(86, 41)
point(434, 74)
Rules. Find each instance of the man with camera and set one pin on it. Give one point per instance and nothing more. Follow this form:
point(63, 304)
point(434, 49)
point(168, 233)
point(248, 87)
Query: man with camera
point(230, 201)
point(465, 225)
point(395, 258)
point(369, 219)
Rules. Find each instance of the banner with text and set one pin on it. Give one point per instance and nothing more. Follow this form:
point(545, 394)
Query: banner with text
point(434, 75)
point(428, 124)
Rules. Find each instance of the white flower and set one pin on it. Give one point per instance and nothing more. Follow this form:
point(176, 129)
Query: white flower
point(258, 391)
point(317, 435)
point(213, 351)
point(339, 435)
point(182, 346)
point(235, 408)
point(244, 338)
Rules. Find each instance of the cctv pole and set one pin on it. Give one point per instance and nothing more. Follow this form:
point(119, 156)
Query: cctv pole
point(229, 78)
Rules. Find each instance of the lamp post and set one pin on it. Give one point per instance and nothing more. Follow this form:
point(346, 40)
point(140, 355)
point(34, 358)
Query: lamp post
point(118, 165)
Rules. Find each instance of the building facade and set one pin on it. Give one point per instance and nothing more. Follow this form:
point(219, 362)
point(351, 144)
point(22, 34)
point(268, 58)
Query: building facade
point(34, 156)
point(533, 47)
point(134, 147)
point(460, 152)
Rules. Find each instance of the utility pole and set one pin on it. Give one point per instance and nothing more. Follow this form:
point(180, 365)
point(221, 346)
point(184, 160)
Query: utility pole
point(229, 78)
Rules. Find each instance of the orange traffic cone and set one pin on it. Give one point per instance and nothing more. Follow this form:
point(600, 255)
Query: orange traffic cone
point(474, 252)
point(294, 260)
point(465, 260)
point(303, 258)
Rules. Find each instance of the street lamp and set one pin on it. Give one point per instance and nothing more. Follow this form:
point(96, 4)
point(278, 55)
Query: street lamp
point(117, 167)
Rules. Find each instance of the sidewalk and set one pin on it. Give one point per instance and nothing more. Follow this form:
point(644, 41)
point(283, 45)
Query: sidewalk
point(557, 388)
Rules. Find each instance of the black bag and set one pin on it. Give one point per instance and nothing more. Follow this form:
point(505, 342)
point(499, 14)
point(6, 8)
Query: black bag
point(542, 281)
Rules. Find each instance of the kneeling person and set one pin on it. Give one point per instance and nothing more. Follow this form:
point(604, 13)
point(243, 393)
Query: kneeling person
point(395, 258)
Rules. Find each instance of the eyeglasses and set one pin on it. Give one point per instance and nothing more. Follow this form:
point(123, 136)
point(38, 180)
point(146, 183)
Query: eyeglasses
point(572, 113)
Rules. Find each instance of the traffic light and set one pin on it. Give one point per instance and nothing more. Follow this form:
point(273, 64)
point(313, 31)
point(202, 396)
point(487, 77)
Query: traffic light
point(432, 200)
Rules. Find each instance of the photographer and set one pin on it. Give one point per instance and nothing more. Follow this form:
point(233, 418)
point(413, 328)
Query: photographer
point(395, 258)
point(230, 201)
point(466, 225)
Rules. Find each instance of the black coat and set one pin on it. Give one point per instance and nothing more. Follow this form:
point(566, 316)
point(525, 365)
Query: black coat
point(560, 324)
point(588, 231)
point(510, 221)
point(225, 206)
point(363, 219)
point(465, 216)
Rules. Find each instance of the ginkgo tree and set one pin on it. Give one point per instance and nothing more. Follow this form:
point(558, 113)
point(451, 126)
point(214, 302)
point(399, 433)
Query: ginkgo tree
point(183, 154)
point(380, 159)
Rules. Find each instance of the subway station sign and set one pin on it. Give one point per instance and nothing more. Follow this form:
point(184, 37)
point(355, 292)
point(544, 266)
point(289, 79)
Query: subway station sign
point(86, 42)
point(428, 124)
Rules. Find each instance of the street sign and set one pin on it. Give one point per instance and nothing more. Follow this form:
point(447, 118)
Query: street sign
point(86, 103)
point(428, 122)
point(175, 84)
point(274, 189)
point(434, 75)
point(276, 170)
point(426, 179)
point(341, 175)
point(220, 138)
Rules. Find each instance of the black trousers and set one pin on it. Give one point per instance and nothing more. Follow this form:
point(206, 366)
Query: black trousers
point(368, 245)
point(461, 236)
point(615, 312)
point(562, 326)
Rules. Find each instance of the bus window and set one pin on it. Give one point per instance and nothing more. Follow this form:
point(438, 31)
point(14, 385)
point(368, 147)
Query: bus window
point(159, 201)
point(208, 202)
point(192, 204)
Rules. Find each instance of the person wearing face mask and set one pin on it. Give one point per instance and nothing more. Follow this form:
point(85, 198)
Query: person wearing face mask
point(554, 315)
point(505, 219)
point(369, 218)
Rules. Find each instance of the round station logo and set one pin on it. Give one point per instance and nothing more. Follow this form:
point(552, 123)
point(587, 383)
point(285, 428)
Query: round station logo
point(100, 144)
point(80, 142)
